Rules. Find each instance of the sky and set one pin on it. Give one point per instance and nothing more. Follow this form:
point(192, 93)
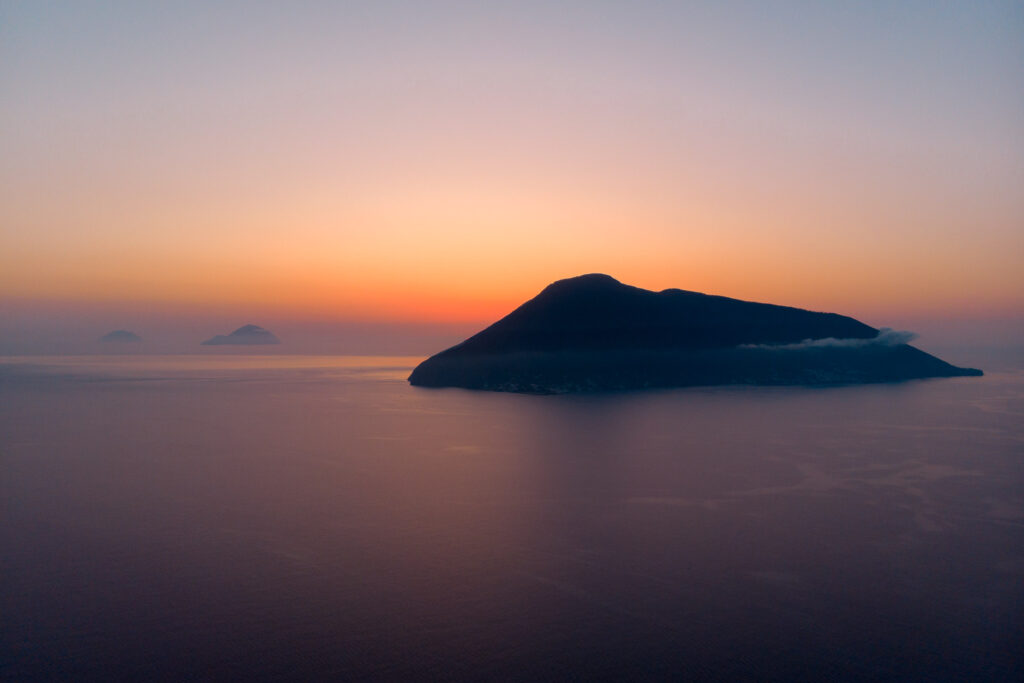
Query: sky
point(437, 163)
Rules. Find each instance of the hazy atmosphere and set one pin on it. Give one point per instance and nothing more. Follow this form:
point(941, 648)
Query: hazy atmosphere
point(433, 163)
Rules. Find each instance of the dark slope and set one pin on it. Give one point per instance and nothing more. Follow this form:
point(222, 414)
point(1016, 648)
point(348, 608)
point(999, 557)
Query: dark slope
point(598, 312)
point(594, 333)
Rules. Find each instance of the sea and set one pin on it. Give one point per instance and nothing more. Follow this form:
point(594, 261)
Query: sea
point(308, 518)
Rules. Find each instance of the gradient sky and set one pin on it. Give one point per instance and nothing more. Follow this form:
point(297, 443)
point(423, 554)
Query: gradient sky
point(444, 161)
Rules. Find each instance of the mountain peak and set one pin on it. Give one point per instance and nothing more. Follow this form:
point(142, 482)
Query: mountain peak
point(590, 281)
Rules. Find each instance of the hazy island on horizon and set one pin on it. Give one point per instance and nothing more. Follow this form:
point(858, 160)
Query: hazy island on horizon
point(593, 333)
point(120, 337)
point(247, 335)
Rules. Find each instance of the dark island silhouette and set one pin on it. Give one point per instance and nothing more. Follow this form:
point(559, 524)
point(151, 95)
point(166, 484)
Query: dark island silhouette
point(247, 335)
point(593, 333)
point(120, 337)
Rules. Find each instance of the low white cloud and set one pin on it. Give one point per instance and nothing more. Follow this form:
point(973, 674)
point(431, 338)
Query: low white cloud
point(886, 337)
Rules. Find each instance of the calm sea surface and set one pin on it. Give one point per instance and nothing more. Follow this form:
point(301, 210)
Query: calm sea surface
point(311, 518)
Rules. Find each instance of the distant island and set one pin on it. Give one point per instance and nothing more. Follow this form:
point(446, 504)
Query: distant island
point(247, 335)
point(593, 333)
point(120, 337)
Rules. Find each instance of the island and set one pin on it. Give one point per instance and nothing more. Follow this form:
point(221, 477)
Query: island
point(121, 337)
point(247, 335)
point(593, 333)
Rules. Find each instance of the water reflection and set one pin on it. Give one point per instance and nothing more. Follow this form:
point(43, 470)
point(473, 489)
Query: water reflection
point(233, 517)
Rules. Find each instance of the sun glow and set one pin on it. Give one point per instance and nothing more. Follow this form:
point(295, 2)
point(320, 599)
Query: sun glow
point(450, 179)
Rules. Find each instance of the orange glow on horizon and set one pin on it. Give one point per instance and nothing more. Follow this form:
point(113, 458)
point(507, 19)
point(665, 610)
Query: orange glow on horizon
point(449, 253)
